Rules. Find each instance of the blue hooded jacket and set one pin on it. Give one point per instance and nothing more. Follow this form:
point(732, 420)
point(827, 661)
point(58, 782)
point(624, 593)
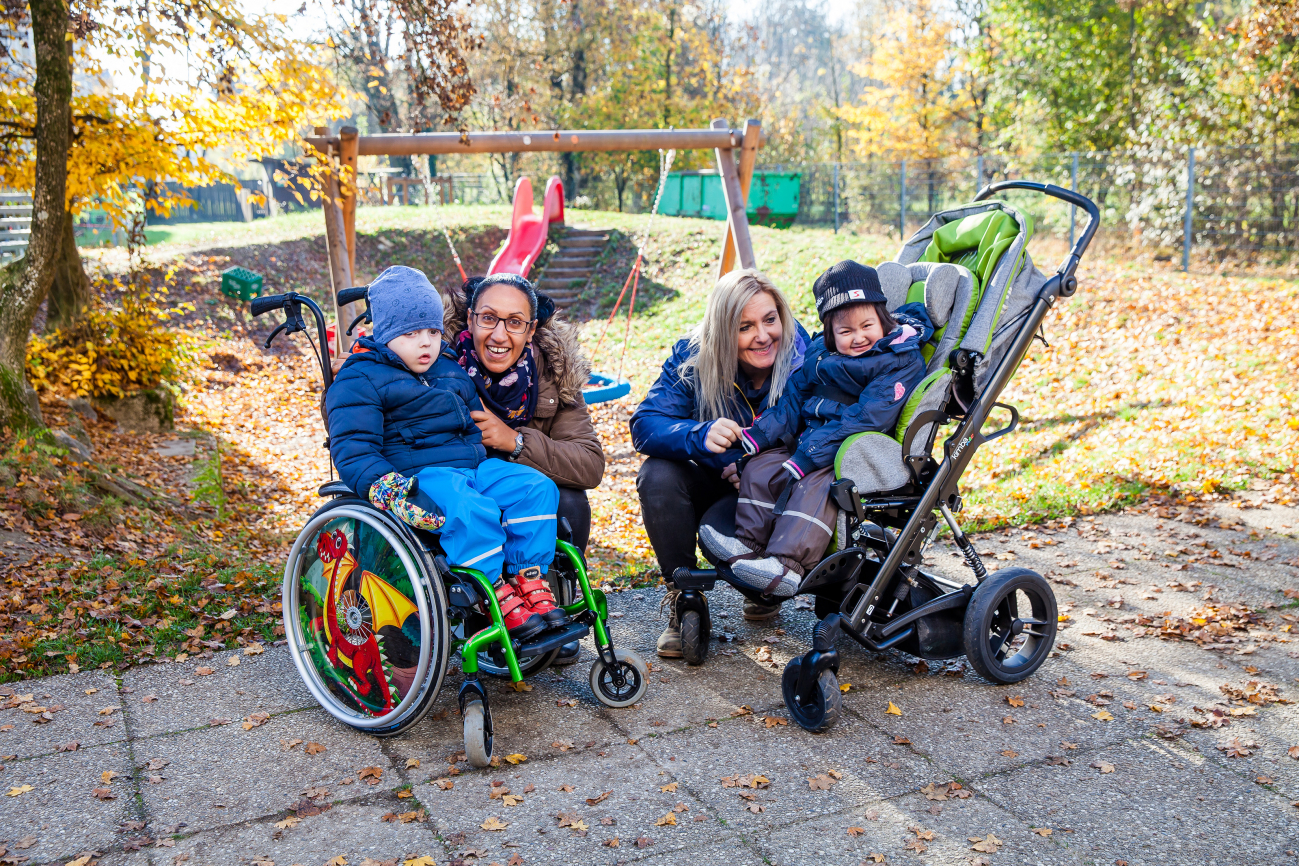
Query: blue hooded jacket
point(666, 425)
point(835, 396)
point(383, 418)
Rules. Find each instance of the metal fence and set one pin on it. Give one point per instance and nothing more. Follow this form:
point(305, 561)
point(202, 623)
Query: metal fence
point(1225, 200)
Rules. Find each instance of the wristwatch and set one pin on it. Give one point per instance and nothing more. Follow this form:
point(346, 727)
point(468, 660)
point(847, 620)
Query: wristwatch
point(518, 447)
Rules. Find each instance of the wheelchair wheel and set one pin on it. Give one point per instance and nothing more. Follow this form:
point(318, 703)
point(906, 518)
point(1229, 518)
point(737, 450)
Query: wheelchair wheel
point(633, 672)
point(492, 663)
point(478, 743)
point(822, 712)
point(1010, 625)
point(365, 616)
point(694, 641)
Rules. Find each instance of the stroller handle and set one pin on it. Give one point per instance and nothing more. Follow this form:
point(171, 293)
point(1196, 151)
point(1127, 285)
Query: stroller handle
point(1066, 271)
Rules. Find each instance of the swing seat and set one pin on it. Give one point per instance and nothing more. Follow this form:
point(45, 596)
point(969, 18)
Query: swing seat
point(602, 387)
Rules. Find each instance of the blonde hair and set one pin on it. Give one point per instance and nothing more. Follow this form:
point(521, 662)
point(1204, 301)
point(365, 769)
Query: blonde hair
point(713, 362)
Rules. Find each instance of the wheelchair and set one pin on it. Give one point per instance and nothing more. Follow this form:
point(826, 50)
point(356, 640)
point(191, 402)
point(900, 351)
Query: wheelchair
point(971, 268)
point(373, 610)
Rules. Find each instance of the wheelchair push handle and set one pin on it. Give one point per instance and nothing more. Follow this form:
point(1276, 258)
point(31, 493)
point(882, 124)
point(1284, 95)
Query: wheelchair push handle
point(265, 304)
point(352, 295)
point(292, 303)
point(1067, 282)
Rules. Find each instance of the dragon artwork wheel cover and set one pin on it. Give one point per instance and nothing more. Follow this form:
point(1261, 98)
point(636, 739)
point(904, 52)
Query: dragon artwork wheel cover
point(358, 618)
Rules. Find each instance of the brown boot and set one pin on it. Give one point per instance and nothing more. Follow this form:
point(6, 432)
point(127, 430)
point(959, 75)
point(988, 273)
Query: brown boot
point(669, 646)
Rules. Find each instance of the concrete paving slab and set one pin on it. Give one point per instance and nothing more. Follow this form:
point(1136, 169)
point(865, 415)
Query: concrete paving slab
point(353, 831)
point(227, 775)
point(788, 757)
point(62, 810)
point(80, 719)
point(888, 827)
point(268, 682)
point(1161, 804)
point(635, 802)
point(728, 848)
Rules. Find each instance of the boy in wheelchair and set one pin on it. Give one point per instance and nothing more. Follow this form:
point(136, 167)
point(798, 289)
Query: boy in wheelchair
point(855, 378)
point(401, 435)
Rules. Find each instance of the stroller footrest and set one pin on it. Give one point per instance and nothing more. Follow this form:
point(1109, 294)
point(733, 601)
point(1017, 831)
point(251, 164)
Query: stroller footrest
point(553, 639)
point(695, 578)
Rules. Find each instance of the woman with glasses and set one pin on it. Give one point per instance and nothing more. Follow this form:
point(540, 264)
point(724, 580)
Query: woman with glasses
point(526, 363)
point(734, 364)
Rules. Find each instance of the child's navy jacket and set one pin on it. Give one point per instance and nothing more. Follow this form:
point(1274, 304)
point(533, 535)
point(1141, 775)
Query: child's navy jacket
point(834, 396)
point(383, 418)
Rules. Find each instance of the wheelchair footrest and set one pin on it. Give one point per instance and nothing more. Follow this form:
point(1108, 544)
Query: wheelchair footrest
point(553, 639)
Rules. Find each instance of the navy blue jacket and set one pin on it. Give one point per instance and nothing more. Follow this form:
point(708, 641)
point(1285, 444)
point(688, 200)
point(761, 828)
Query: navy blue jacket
point(383, 418)
point(835, 396)
point(666, 425)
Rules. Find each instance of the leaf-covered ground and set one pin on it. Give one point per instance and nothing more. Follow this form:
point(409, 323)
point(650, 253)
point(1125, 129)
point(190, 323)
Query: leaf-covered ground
point(1158, 388)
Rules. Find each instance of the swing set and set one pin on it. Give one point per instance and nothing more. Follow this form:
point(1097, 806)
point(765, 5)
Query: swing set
point(341, 151)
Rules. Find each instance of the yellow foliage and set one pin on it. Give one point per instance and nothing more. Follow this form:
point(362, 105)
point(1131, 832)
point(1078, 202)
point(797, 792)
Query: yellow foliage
point(112, 350)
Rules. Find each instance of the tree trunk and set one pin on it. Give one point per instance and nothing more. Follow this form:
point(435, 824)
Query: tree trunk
point(23, 284)
point(70, 290)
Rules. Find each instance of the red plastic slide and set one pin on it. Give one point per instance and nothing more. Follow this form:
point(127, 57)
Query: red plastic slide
point(527, 230)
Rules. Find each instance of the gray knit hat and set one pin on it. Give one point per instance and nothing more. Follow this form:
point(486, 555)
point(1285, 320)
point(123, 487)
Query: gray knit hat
point(403, 300)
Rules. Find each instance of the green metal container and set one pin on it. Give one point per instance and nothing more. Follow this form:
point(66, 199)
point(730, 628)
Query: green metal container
point(773, 196)
point(241, 283)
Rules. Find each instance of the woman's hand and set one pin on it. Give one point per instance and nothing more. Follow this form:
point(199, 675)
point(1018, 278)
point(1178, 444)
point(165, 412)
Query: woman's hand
point(722, 434)
point(496, 433)
point(731, 474)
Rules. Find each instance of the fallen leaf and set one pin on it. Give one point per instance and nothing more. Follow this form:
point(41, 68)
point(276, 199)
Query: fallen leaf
point(856, 831)
point(340, 860)
point(874, 857)
point(313, 748)
point(643, 842)
point(149, 699)
point(773, 721)
point(493, 823)
point(108, 776)
point(513, 759)
point(1137, 675)
point(256, 720)
point(901, 741)
point(1043, 831)
point(668, 820)
point(511, 799)
point(515, 860)
point(610, 843)
point(104, 794)
point(670, 787)
point(1103, 766)
point(1293, 752)
point(1238, 748)
point(445, 784)
point(371, 775)
point(1010, 753)
point(989, 845)
point(521, 686)
point(893, 710)
point(820, 782)
point(593, 801)
point(1103, 716)
point(1015, 701)
point(921, 833)
point(426, 860)
point(412, 763)
point(566, 788)
point(934, 792)
point(916, 845)
point(204, 671)
point(845, 687)
point(25, 842)
point(233, 662)
point(287, 822)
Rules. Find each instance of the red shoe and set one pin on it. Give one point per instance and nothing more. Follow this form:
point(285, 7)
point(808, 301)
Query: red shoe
point(535, 591)
point(521, 621)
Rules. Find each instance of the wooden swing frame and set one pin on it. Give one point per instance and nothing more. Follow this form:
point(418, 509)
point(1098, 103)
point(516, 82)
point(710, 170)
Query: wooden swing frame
point(343, 149)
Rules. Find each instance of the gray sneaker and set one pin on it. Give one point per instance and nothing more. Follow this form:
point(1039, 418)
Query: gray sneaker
point(762, 573)
point(669, 646)
point(722, 547)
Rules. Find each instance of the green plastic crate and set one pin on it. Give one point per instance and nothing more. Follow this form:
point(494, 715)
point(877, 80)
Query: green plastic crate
point(241, 283)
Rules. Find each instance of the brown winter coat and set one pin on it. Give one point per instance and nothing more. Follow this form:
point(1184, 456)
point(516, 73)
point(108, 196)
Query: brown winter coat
point(560, 440)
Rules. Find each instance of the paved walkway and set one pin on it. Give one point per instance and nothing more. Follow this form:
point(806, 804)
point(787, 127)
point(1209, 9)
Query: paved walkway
point(1050, 781)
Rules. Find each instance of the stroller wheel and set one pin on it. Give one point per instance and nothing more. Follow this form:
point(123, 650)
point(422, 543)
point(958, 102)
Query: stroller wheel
point(694, 640)
point(478, 743)
point(1010, 625)
point(623, 685)
point(822, 711)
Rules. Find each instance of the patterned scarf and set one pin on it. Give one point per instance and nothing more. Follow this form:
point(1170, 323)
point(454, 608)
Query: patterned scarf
point(512, 397)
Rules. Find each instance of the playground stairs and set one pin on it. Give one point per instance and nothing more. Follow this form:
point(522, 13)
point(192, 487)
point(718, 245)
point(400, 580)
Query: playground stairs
point(568, 272)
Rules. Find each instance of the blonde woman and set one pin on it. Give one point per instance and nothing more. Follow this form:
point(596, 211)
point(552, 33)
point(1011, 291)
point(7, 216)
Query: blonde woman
point(733, 365)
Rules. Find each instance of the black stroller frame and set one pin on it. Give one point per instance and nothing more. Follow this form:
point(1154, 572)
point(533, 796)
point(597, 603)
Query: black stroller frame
point(859, 589)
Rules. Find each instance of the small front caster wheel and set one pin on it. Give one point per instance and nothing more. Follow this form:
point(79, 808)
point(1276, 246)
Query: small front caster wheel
point(621, 685)
point(822, 711)
point(478, 743)
point(694, 638)
point(1010, 625)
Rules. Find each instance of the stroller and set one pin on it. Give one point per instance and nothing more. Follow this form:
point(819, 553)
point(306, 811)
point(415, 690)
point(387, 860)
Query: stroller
point(372, 608)
point(971, 269)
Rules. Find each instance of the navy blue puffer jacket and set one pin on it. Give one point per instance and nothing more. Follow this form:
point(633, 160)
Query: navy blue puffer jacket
point(383, 418)
point(835, 396)
point(666, 424)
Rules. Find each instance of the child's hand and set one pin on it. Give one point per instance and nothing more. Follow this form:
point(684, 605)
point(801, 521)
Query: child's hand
point(722, 434)
point(732, 474)
point(389, 490)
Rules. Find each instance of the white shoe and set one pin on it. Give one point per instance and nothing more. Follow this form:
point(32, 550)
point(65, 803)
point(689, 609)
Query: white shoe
point(722, 547)
point(762, 573)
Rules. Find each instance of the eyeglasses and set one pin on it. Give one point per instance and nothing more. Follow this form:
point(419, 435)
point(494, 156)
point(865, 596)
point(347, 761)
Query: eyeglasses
point(488, 322)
